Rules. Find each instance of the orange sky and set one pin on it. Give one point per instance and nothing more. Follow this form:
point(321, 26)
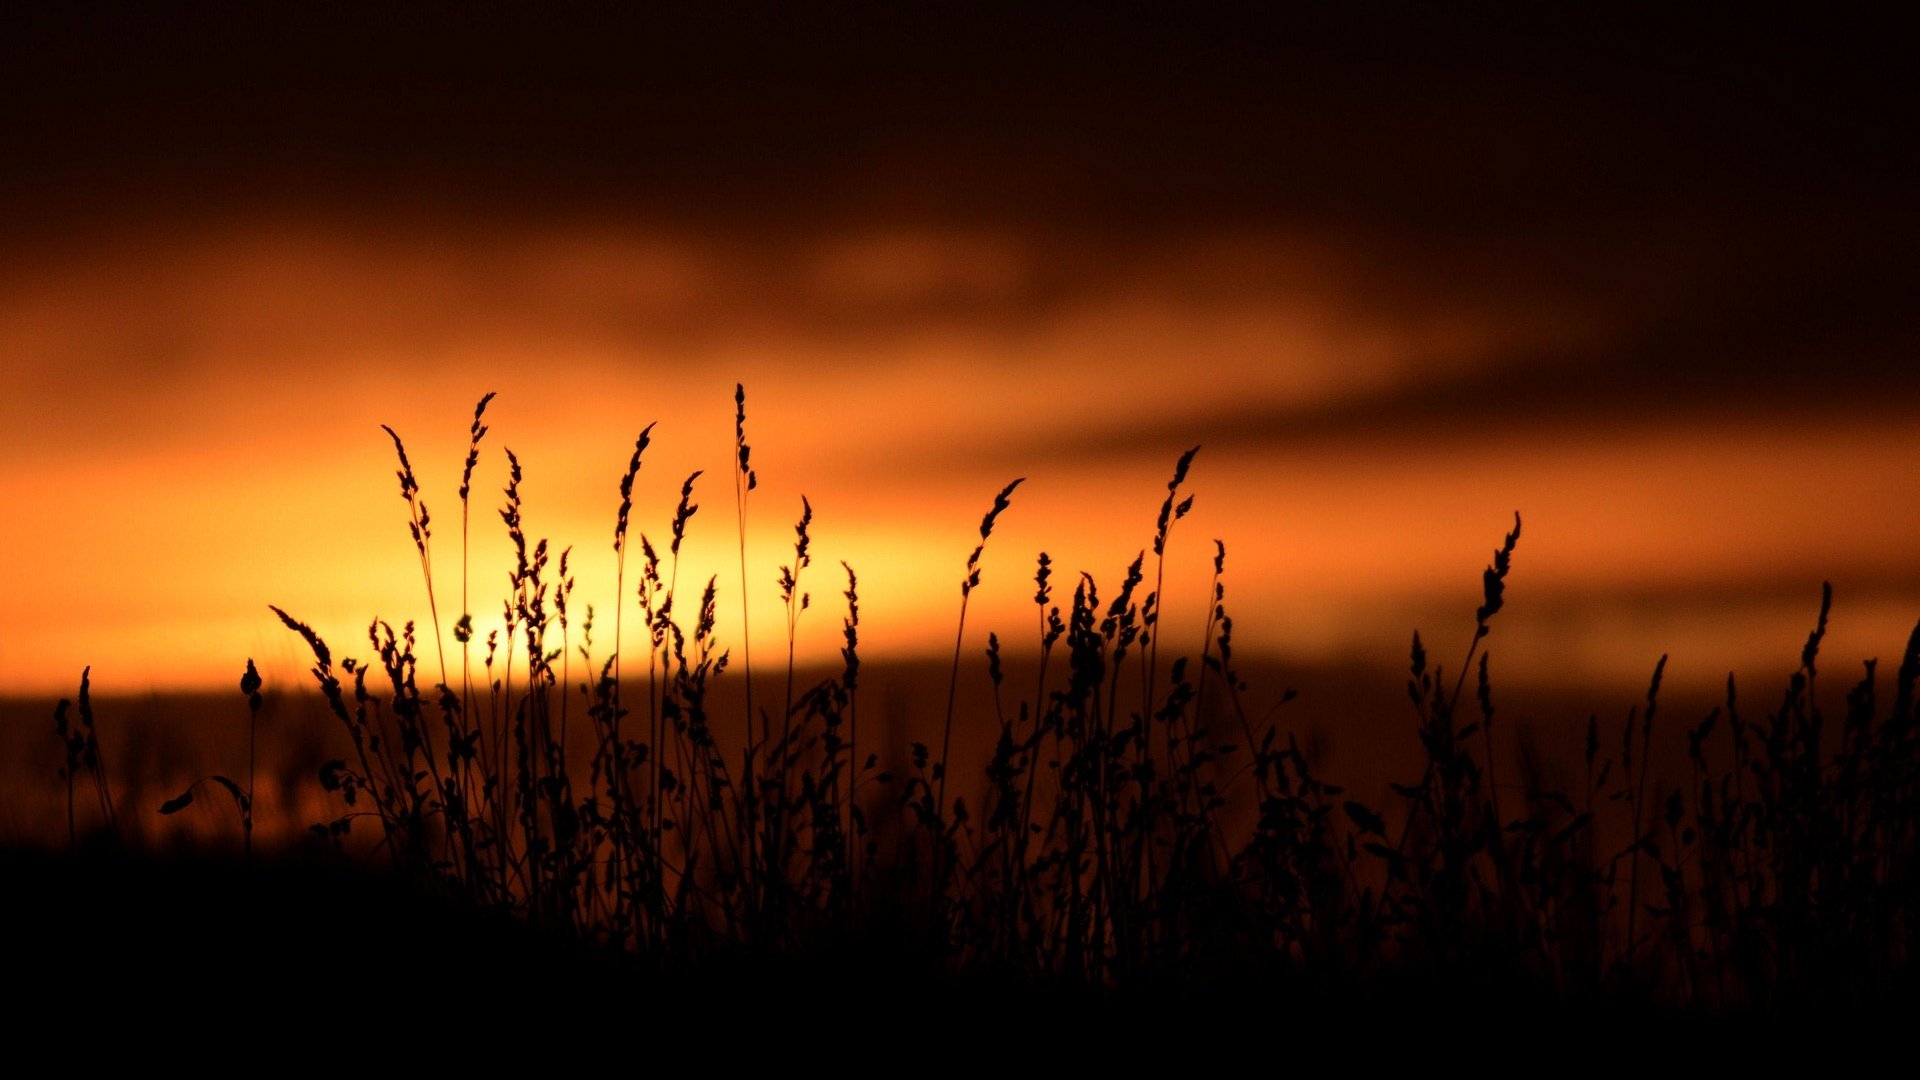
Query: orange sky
point(1655, 308)
point(162, 510)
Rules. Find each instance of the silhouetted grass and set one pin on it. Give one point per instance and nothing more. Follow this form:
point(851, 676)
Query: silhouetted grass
point(81, 744)
point(1140, 828)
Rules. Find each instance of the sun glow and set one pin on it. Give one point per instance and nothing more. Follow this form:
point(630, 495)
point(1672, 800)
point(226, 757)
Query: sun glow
point(192, 427)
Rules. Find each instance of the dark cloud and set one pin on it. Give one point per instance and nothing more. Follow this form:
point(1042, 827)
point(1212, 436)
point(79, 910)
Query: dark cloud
point(1810, 322)
point(1725, 197)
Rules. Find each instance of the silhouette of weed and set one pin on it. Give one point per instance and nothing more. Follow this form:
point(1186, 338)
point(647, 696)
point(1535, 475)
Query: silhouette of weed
point(1139, 825)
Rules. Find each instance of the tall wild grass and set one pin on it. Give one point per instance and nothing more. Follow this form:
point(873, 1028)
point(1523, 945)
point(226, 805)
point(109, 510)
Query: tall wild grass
point(1139, 823)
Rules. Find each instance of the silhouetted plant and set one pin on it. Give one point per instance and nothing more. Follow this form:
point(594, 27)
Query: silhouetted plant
point(1136, 820)
point(243, 800)
point(81, 743)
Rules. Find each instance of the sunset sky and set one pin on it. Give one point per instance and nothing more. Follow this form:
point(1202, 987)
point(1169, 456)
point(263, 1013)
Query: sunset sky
point(1650, 285)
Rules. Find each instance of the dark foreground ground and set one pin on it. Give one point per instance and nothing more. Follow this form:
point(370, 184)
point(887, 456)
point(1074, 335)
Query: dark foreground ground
point(115, 959)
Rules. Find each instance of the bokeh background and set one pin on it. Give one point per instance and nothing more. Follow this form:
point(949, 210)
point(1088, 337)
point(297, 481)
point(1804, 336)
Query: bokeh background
point(1648, 282)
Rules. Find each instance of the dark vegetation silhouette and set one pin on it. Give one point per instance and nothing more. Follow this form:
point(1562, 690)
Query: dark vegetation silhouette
point(1141, 827)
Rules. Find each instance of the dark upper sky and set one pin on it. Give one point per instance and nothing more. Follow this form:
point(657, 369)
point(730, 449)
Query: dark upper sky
point(1110, 119)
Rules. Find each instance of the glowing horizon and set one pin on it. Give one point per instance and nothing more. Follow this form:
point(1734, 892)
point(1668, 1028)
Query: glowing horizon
point(165, 508)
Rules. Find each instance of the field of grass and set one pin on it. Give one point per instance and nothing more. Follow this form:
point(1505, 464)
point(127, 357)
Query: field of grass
point(1117, 820)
